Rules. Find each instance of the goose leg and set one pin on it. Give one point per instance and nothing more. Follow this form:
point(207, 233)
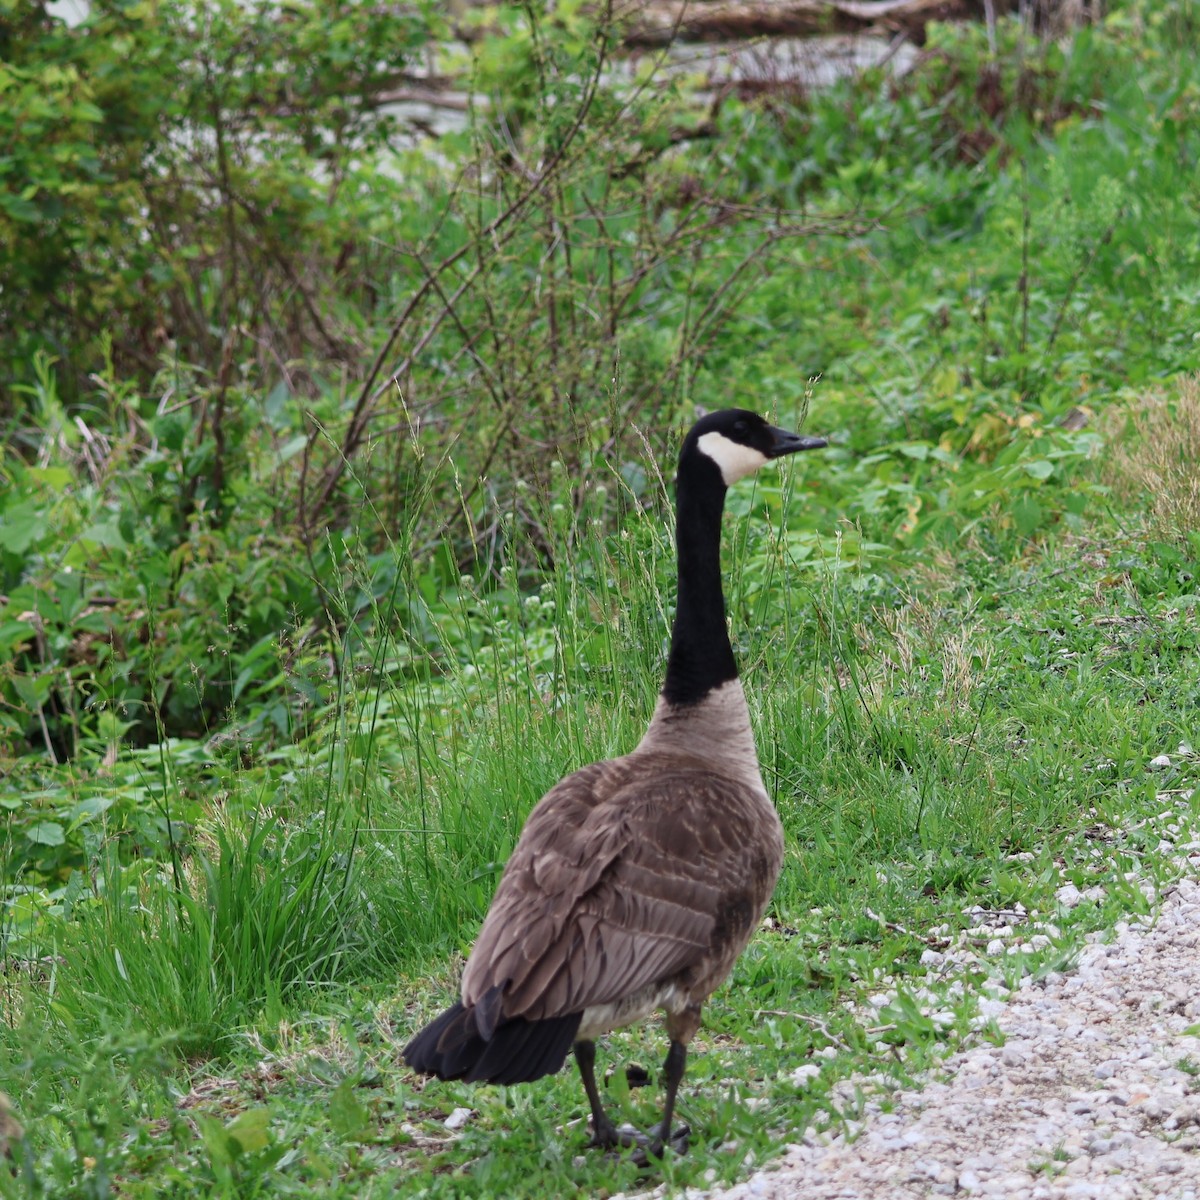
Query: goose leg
point(649, 1148)
point(604, 1132)
point(606, 1136)
point(673, 1070)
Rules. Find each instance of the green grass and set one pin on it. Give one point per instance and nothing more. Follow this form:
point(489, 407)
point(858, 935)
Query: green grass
point(983, 745)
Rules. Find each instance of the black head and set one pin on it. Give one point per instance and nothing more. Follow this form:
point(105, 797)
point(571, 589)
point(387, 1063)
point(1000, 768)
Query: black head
point(739, 442)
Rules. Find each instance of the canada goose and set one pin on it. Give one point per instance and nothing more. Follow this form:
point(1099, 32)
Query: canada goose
point(636, 882)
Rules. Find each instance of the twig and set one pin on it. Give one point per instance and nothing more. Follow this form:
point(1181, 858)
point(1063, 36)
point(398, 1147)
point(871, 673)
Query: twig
point(929, 939)
point(367, 397)
point(1080, 271)
point(817, 1023)
point(46, 735)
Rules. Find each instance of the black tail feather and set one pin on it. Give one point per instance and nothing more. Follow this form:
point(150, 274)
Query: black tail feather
point(451, 1047)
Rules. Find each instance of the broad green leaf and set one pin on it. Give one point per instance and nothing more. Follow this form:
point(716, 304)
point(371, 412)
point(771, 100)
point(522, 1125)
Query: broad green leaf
point(46, 833)
point(104, 533)
point(87, 809)
point(1028, 515)
point(293, 447)
point(347, 1115)
point(14, 634)
point(222, 1149)
point(1040, 468)
point(19, 208)
point(23, 524)
point(250, 1130)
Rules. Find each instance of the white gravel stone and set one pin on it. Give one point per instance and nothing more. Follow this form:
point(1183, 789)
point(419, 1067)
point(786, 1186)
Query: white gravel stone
point(802, 1074)
point(1084, 1100)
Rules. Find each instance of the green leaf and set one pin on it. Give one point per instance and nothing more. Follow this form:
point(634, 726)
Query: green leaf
point(293, 447)
point(19, 208)
point(250, 1130)
point(56, 479)
point(46, 833)
point(1039, 468)
point(105, 533)
point(1028, 515)
point(23, 524)
point(84, 110)
point(222, 1149)
point(32, 689)
point(348, 1117)
point(87, 809)
point(14, 634)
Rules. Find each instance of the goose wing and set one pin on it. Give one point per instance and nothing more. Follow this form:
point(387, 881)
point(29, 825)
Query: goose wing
point(619, 882)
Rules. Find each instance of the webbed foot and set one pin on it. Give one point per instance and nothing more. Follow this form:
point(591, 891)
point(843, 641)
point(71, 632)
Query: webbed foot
point(646, 1149)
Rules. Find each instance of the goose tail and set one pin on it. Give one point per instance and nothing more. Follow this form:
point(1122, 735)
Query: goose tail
point(453, 1046)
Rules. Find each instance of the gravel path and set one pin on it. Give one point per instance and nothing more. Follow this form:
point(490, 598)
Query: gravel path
point(1095, 1094)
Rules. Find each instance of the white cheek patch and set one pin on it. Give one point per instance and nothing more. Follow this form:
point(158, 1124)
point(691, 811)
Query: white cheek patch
point(735, 460)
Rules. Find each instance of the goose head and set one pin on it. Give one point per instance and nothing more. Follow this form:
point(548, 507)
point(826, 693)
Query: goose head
point(740, 442)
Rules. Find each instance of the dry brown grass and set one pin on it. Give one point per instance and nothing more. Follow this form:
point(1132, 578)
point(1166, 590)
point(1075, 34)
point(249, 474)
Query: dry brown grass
point(920, 637)
point(1154, 449)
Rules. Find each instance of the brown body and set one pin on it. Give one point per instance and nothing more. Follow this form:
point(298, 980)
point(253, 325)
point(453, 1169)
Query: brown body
point(637, 881)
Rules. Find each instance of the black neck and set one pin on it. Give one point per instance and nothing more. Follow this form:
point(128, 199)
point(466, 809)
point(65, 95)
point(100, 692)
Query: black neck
point(701, 657)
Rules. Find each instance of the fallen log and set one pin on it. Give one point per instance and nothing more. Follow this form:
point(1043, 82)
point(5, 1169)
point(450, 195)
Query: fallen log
point(661, 22)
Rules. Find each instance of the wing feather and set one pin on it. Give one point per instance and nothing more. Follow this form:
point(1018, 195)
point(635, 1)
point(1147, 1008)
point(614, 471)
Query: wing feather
point(618, 883)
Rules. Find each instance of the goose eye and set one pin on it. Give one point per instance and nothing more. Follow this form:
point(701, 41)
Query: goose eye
point(740, 426)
